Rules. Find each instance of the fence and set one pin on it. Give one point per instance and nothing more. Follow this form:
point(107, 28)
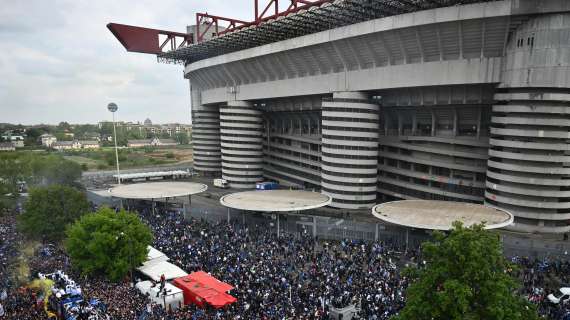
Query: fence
point(328, 228)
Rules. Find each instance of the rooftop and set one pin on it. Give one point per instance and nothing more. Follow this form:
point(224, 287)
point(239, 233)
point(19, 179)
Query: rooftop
point(440, 215)
point(157, 190)
point(275, 200)
point(327, 15)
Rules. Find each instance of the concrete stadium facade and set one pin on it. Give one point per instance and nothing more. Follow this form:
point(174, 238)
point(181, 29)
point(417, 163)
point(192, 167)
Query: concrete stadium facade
point(465, 103)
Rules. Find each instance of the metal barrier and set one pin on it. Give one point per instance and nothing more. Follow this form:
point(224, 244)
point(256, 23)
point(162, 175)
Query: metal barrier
point(327, 228)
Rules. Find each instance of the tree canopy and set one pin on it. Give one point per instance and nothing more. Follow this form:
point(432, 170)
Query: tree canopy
point(182, 138)
point(38, 169)
point(50, 209)
point(108, 243)
point(466, 277)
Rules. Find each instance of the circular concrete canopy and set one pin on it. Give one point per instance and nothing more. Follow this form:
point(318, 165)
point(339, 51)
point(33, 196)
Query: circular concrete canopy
point(275, 200)
point(439, 215)
point(157, 190)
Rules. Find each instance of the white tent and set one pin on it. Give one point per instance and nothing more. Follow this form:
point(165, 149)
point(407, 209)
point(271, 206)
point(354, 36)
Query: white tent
point(154, 269)
point(174, 298)
point(155, 255)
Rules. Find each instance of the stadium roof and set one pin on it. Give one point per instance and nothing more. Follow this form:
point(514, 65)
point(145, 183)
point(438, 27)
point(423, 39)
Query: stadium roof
point(328, 15)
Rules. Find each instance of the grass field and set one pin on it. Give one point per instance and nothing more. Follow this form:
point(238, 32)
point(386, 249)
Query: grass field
point(104, 158)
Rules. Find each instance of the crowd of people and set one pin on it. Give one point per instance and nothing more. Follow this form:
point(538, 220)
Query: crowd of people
point(285, 277)
point(542, 277)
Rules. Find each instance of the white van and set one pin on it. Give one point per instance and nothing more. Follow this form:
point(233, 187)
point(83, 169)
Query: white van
point(221, 183)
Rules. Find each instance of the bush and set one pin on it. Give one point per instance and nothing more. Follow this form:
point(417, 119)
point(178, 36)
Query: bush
point(170, 155)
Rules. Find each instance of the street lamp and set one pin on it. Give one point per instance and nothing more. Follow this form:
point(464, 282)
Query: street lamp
point(113, 108)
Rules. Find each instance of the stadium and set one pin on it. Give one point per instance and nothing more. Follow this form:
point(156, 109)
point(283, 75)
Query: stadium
point(374, 101)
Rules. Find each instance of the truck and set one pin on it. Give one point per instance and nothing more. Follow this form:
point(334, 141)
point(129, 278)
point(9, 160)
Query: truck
point(221, 183)
point(269, 185)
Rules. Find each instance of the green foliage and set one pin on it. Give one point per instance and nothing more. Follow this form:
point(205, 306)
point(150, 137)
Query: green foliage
point(38, 168)
point(170, 155)
point(53, 169)
point(61, 136)
point(50, 209)
point(33, 137)
point(149, 149)
point(110, 157)
point(108, 243)
point(182, 138)
point(8, 197)
point(64, 126)
point(466, 277)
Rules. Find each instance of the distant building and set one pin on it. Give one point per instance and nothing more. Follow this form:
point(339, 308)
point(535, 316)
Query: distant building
point(91, 136)
point(7, 146)
point(16, 140)
point(107, 137)
point(151, 143)
point(66, 145)
point(89, 144)
point(47, 140)
point(147, 122)
point(75, 145)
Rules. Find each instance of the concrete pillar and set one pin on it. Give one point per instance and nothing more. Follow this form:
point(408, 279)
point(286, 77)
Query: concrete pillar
point(528, 171)
point(241, 144)
point(207, 155)
point(350, 156)
point(433, 123)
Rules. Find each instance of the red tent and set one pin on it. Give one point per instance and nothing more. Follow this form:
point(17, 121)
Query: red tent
point(200, 288)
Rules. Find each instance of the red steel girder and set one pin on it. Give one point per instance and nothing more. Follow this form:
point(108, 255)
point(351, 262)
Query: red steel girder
point(207, 20)
point(234, 24)
point(146, 40)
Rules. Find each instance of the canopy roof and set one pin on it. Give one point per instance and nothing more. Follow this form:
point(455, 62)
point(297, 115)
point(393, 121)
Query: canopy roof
point(275, 200)
point(146, 286)
point(155, 255)
point(200, 287)
point(157, 190)
point(155, 269)
point(325, 15)
point(440, 215)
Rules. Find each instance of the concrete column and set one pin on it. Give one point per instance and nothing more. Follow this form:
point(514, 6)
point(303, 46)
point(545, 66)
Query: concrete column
point(241, 144)
point(207, 156)
point(414, 123)
point(350, 155)
point(528, 156)
point(433, 123)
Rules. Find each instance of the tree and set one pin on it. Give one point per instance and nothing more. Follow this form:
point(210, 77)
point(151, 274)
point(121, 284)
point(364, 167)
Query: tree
point(109, 243)
point(64, 126)
point(50, 209)
point(32, 136)
point(465, 277)
point(53, 169)
point(182, 138)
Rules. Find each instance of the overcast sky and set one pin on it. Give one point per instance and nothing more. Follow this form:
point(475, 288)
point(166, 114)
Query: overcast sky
point(59, 62)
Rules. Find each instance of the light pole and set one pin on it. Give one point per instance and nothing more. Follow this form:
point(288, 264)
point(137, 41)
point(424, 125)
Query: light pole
point(113, 108)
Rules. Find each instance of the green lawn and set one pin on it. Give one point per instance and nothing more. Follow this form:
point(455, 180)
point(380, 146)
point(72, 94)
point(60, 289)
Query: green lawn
point(104, 159)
